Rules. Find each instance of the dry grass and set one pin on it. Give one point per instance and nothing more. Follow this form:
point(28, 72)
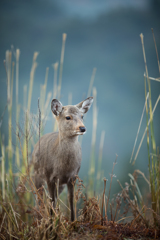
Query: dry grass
point(21, 220)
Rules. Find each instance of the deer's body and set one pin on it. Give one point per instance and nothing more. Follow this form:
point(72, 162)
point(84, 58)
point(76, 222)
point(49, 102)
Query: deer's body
point(58, 155)
point(58, 159)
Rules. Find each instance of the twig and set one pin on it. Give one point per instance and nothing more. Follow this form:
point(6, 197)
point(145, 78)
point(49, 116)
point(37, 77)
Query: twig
point(110, 184)
point(151, 78)
point(64, 204)
point(103, 198)
point(14, 216)
point(131, 204)
point(2, 221)
point(137, 216)
point(115, 212)
point(124, 218)
point(46, 192)
point(111, 212)
point(11, 234)
point(39, 125)
point(138, 171)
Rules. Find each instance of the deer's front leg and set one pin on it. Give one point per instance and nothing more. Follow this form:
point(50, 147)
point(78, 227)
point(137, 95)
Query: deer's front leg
point(70, 186)
point(52, 193)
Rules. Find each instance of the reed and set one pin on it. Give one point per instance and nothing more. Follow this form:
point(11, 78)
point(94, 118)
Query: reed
point(42, 104)
point(9, 66)
point(25, 143)
point(17, 105)
point(61, 64)
point(32, 73)
point(99, 171)
point(103, 201)
point(70, 98)
point(55, 67)
point(154, 160)
point(109, 193)
point(43, 93)
point(3, 170)
point(153, 152)
point(90, 89)
point(157, 164)
point(93, 144)
point(91, 82)
point(24, 97)
point(57, 90)
point(156, 49)
point(150, 101)
point(47, 104)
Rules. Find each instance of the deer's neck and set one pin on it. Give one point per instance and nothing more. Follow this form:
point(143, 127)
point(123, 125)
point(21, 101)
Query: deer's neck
point(67, 143)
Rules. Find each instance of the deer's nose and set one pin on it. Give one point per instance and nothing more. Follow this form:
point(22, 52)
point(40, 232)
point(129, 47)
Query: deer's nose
point(82, 129)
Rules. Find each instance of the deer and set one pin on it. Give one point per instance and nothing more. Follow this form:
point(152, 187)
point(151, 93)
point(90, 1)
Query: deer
point(57, 155)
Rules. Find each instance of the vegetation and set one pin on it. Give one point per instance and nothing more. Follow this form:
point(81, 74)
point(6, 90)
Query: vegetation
point(125, 217)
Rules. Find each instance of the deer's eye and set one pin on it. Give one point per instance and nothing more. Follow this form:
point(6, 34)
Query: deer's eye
point(82, 116)
point(68, 118)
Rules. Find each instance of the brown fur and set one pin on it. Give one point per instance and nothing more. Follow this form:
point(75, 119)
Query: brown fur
point(59, 155)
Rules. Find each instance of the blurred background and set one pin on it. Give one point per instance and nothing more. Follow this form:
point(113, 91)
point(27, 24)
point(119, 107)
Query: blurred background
point(100, 34)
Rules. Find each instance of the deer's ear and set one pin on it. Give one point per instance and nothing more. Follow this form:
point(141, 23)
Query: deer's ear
point(85, 105)
point(56, 107)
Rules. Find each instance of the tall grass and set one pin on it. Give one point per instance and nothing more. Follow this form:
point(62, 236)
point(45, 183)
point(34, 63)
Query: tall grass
point(17, 104)
point(153, 151)
point(10, 73)
point(20, 185)
point(154, 163)
point(93, 145)
point(99, 168)
point(61, 65)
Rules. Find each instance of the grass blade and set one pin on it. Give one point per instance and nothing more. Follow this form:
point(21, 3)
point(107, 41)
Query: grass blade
point(61, 64)
point(91, 82)
point(139, 127)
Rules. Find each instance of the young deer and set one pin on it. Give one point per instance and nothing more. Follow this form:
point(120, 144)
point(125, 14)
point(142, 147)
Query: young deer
point(58, 155)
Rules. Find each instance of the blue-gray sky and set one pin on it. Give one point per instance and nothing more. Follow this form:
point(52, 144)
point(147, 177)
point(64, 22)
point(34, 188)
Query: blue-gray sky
point(91, 9)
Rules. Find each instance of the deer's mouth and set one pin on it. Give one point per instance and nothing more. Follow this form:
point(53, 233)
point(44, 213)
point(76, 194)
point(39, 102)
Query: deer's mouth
point(78, 132)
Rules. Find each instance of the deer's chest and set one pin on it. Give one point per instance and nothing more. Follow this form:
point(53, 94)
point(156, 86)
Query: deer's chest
point(70, 162)
point(67, 165)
